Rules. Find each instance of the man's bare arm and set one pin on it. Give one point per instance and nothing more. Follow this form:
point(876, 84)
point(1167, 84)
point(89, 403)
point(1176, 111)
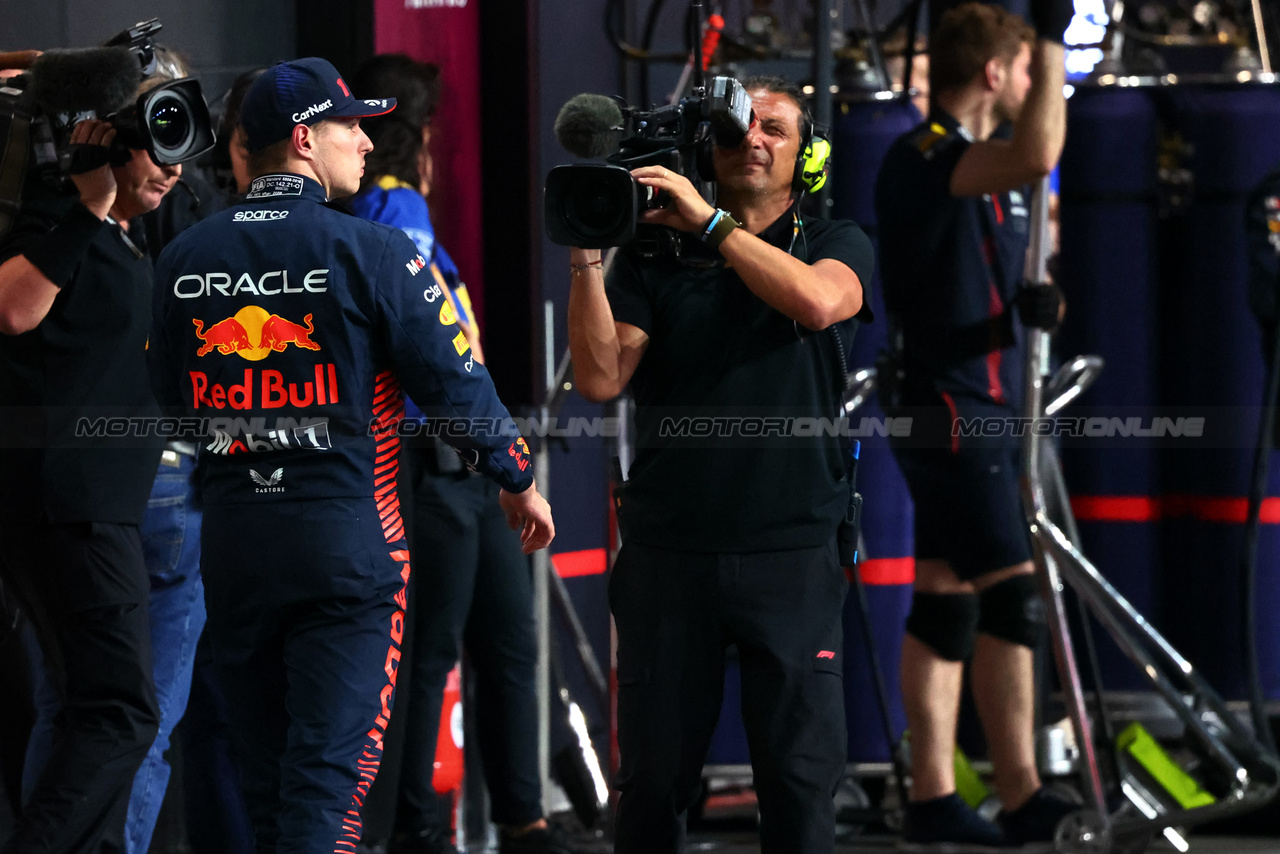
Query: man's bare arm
point(997, 165)
point(26, 294)
point(605, 353)
point(814, 295)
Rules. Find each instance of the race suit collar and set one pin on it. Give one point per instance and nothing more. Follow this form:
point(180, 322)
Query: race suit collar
point(277, 186)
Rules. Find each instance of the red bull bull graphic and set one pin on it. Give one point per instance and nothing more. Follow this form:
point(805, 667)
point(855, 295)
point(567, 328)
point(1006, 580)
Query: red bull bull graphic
point(226, 336)
point(278, 333)
point(271, 332)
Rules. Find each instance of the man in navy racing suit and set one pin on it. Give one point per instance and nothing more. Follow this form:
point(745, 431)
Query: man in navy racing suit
point(291, 325)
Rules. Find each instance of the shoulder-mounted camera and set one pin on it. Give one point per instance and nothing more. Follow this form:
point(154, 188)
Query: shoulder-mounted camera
point(598, 205)
point(39, 108)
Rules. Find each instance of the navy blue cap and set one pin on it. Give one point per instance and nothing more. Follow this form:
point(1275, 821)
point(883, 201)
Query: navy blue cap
point(301, 92)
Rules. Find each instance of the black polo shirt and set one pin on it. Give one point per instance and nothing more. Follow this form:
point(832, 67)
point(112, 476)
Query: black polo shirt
point(731, 452)
point(85, 360)
point(951, 267)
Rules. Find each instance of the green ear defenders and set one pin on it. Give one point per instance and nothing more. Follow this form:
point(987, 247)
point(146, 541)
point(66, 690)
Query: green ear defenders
point(813, 160)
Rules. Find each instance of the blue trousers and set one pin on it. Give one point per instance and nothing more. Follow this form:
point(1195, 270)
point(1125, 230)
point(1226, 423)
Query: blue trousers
point(217, 818)
point(171, 547)
point(306, 607)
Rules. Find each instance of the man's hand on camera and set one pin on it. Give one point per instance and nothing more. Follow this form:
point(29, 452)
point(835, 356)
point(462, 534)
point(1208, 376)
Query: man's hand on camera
point(97, 186)
point(686, 210)
point(529, 513)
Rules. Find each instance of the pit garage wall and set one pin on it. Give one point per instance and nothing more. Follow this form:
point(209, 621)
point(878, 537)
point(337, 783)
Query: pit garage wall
point(220, 39)
point(449, 36)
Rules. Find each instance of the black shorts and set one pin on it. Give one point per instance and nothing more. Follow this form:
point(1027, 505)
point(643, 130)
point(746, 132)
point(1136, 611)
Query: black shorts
point(968, 507)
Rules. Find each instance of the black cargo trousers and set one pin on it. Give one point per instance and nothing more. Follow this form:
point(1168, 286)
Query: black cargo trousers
point(676, 613)
point(84, 586)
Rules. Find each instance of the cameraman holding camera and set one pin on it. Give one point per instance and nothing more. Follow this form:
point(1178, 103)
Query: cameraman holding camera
point(730, 541)
point(75, 291)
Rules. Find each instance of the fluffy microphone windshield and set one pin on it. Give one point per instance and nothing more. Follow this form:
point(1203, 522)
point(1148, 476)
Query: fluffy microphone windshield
point(589, 125)
point(101, 79)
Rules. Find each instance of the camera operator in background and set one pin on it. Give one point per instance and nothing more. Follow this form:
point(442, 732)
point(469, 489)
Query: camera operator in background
point(952, 201)
point(75, 291)
point(727, 541)
point(470, 579)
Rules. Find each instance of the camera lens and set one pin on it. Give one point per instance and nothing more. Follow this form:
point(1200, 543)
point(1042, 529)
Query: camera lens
point(595, 205)
point(590, 205)
point(169, 122)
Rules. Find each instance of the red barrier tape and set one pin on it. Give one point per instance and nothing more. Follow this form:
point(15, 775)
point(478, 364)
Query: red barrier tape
point(1150, 508)
point(577, 564)
point(877, 572)
point(885, 571)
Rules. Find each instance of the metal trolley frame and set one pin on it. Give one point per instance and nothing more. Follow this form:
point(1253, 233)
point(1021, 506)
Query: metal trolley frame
point(1228, 751)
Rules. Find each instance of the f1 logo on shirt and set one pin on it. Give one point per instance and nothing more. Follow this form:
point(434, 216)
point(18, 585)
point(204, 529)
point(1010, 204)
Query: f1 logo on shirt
point(415, 266)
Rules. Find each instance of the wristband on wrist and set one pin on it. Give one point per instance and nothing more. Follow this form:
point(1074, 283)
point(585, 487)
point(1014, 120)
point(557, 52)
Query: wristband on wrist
point(712, 223)
point(598, 264)
point(57, 255)
point(721, 228)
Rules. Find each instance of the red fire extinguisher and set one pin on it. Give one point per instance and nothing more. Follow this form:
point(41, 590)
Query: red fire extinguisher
point(447, 774)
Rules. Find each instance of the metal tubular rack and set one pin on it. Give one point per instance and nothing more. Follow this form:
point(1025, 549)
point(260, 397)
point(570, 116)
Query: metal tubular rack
point(1244, 774)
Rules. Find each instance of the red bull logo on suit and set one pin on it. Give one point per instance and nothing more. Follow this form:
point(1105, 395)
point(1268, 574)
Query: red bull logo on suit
point(252, 333)
point(273, 389)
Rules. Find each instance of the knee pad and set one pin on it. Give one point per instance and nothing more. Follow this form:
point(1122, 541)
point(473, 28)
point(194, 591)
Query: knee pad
point(1013, 611)
point(944, 622)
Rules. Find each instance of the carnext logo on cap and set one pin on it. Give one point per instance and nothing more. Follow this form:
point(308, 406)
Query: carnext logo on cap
point(314, 109)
